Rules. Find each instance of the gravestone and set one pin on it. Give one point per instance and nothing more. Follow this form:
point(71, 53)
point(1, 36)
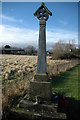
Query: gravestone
point(41, 87)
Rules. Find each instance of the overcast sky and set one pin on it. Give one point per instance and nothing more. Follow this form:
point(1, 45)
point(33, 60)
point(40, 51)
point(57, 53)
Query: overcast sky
point(20, 27)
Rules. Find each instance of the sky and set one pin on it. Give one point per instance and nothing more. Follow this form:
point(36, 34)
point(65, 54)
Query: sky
point(21, 28)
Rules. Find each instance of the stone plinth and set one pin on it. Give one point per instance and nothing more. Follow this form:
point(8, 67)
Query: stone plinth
point(41, 77)
point(41, 90)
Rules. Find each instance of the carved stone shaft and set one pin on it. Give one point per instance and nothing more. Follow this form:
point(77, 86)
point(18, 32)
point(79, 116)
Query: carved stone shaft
point(41, 68)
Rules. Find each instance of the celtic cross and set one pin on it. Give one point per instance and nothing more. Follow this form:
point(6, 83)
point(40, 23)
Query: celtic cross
point(42, 14)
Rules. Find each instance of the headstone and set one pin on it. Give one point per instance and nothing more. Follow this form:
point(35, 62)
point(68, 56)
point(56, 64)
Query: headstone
point(41, 87)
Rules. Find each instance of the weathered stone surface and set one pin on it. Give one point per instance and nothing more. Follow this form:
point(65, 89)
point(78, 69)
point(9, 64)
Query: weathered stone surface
point(45, 12)
point(41, 77)
point(38, 112)
point(40, 89)
point(41, 65)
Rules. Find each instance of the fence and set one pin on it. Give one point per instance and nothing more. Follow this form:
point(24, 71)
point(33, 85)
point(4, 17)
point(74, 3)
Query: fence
point(61, 67)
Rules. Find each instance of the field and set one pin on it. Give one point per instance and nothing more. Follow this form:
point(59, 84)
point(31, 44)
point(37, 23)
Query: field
point(15, 66)
point(18, 70)
point(68, 83)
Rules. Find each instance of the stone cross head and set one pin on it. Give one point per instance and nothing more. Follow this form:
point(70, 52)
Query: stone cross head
point(42, 12)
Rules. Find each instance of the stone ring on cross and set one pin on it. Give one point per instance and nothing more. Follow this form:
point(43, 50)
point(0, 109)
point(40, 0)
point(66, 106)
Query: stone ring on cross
point(42, 14)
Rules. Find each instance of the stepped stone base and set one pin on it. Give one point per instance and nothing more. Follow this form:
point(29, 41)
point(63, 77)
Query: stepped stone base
point(41, 90)
point(33, 111)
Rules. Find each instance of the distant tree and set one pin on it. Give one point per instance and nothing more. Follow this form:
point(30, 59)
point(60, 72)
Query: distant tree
point(69, 47)
point(76, 52)
point(7, 46)
point(64, 51)
point(30, 50)
point(58, 50)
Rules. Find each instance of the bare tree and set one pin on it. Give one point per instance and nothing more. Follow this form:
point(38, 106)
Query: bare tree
point(63, 51)
point(70, 46)
point(30, 50)
point(58, 50)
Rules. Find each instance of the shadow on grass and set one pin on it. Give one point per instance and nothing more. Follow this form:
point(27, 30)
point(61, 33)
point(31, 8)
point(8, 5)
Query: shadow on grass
point(73, 109)
point(69, 106)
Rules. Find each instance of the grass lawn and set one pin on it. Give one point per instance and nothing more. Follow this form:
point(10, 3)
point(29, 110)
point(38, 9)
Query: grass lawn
point(68, 83)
